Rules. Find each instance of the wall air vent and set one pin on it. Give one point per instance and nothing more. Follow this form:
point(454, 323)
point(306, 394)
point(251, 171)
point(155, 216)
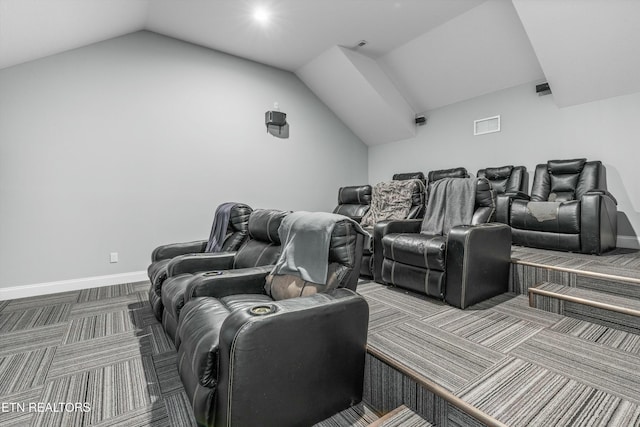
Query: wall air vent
point(487, 125)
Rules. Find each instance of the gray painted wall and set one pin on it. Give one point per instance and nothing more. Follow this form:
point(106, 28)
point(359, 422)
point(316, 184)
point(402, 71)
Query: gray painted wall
point(534, 130)
point(133, 142)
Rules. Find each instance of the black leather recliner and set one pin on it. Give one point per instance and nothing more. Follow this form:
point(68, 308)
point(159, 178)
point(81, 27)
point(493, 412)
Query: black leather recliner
point(354, 201)
point(509, 183)
point(569, 209)
point(246, 359)
point(261, 248)
point(465, 266)
point(372, 263)
point(162, 255)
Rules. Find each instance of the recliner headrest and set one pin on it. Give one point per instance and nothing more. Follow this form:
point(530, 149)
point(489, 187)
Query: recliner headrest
point(356, 195)
point(559, 167)
point(408, 175)
point(239, 217)
point(448, 173)
point(264, 224)
point(498, 173)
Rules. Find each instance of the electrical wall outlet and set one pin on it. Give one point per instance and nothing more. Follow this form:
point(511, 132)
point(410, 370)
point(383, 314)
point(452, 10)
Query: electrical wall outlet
point(113, 256)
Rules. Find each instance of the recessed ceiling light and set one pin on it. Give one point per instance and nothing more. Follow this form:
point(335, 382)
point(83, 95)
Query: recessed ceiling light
point(261, 15)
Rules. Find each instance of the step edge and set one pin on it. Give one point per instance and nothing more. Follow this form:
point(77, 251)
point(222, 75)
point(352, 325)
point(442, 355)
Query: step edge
point(586, 273)
point(437, 389)
point(583, 301)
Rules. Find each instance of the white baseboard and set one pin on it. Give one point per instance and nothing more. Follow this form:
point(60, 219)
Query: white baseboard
point(36, 289)
point(631, 242)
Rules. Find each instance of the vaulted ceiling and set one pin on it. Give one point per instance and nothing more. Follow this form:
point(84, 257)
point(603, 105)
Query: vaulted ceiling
point(433, 52)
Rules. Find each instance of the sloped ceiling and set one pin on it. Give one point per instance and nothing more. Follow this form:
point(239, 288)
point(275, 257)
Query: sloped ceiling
point(436, 52)
point(480, 51)
point(589, 50)
point(32, 29)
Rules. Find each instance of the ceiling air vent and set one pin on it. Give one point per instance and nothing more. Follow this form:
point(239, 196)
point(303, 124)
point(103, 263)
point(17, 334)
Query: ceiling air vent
point(487, 125)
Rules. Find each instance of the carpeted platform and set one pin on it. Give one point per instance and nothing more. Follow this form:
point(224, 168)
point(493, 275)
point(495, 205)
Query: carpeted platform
point(521, 366)
point(620, 267)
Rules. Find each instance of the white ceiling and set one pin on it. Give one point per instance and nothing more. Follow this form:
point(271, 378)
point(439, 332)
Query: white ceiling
point(436, 52)
point(32, 29)
point(300, 29)
point(480, 51)
point(589, 50)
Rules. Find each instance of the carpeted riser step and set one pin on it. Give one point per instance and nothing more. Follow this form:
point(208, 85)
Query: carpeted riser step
point(386, 388)
point(614, 311)
point(525, 276)
point(611, 319)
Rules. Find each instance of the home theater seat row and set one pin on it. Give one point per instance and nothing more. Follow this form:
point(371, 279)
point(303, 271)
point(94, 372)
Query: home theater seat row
point(194, 273)
point(166, 261)
point(279, 345)
point(259, 287)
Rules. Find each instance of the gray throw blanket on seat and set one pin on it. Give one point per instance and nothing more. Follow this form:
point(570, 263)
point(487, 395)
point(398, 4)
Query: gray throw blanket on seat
point(451, 202)
point(306, 238)
point(219, 227)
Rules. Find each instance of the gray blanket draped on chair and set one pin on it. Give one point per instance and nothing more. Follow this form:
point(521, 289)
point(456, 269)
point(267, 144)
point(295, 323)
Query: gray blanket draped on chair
point(305, 238)
point(219, 227)
point(451, 202)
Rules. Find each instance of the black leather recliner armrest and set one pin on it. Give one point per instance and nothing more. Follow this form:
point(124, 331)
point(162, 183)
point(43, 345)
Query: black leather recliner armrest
point(598, 222)
point(174, 249)
point(503, 205)
point(478, 259)
point(383, 228)
point(194, 263)
point(603, 193)
point(220, 284)
point(272, 365)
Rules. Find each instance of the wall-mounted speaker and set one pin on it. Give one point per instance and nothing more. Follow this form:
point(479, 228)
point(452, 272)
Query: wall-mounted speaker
point(543, 89)
point(275, 118)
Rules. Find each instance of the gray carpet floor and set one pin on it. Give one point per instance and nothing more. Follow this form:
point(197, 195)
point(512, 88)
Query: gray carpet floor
point(523, 366)
point(103, 350)
point(95, 357)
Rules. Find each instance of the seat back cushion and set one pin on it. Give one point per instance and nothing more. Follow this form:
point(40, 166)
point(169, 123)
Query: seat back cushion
point(238, 229)
point(557, 181)
point(263, 245)
point(506, 178)
point(354, 201)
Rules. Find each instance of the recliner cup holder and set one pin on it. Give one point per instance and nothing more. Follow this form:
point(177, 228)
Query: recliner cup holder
point(261, 310)
point(213, 273)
